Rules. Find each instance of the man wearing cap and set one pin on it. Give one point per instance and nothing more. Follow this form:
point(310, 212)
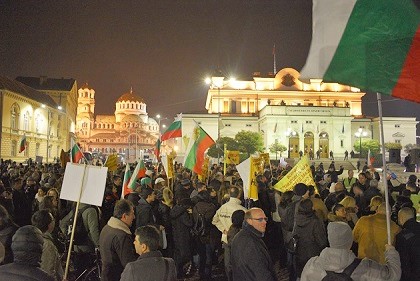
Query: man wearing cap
point(338, 256)
point(27, 246)
point(249, 255)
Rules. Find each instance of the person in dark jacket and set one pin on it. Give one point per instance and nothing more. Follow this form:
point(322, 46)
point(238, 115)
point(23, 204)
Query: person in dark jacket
point(7, 230)
point(150, 265)
point(27, 248)
point(116, 242)
point(408, 244)
point(144, 211)
point(312, 237)
point(181, 225)
point(204, 244)
point(237, 221)
point(334, 173)
point(21, 203)
point(372, 190)
point(250, 258)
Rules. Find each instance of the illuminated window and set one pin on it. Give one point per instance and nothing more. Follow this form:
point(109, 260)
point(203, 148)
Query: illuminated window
point(13, 149)
point(26, 121)
point(252, 107)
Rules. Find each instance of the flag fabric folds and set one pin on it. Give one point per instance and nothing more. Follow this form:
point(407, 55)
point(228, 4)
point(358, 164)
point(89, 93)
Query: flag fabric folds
point(127, 176)
point(247, 170)
point(156, 151)
point(139, 172)
point(198, 144)
point(369, 44)
point(300, 173)
point(174, 130)
point(76, 154)
point(111, 162)
point(22, 146)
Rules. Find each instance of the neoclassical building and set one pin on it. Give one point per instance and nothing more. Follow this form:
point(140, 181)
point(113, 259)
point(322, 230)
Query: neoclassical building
point(130, 131)
point(303, 116)
point(28, 112)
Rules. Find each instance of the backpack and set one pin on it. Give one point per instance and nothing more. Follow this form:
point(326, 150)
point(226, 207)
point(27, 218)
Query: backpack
point(200, 227)
point(80, 232)
point(342, 276)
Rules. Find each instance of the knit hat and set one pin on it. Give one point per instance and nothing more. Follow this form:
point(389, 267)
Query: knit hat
point(27, 245)
point(340, 235)
point(300, 189)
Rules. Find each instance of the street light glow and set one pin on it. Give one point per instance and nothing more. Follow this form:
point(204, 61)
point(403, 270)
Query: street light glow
point(59, 107)
point(158, 116)
point(207, 80)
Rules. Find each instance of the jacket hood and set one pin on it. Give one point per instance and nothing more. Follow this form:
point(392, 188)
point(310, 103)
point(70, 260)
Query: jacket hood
point(304, 220)
point(332, 259)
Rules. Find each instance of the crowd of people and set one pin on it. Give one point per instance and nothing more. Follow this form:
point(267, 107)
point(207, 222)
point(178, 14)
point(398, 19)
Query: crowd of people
point(169, 229)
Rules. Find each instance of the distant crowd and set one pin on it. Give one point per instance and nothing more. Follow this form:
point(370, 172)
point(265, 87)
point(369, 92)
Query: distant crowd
point(175, 228)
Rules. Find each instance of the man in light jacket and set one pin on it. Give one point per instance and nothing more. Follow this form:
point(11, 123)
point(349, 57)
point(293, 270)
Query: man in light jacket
point(339, 256)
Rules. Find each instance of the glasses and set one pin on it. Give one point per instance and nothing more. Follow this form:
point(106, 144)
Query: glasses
point(259, 219)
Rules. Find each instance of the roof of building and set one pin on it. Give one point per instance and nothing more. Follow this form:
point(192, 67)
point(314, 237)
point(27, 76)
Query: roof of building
point(45, 83)
point(24, 90)
point(130, 96)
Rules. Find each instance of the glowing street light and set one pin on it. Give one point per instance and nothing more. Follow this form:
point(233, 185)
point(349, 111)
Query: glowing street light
point(360, 134)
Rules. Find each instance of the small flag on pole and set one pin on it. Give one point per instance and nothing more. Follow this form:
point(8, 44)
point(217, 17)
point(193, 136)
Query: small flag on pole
point(127, 176)
point(76, 154)
point(22, 144)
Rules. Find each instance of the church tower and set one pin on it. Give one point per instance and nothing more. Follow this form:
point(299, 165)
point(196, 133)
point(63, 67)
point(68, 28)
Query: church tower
point(85, 111)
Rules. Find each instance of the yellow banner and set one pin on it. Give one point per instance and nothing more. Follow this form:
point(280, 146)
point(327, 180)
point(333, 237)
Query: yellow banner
point(301, 173)
point(170, 173)
point(254, 170)
point(232, 157)
point(205, 169)
point(112, 162)
point(265, 158)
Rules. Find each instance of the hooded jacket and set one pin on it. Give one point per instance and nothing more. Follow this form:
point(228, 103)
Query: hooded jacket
point(337, 260)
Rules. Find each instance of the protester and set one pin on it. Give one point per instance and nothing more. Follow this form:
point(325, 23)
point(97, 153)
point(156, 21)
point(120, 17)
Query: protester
point(237, 218)
point(150, 265)
point(7, 230)
point(116, 242)
point(249, 255)
point(338, 257)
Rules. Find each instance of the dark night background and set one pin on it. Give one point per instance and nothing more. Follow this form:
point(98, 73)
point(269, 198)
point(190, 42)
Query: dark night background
point(163, 49)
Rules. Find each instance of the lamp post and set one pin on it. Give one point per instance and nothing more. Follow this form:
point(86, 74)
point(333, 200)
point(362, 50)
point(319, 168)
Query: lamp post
point(218, 83)
point(359, 134)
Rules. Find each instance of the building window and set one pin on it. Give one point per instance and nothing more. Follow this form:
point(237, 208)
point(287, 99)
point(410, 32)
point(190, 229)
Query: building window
point(14, 117)
point(251, 107)
point(13, 149)
point(397, 125)
point(323, 122)
point(244, 108)
point(37, 146)
point(228, 125)
point(293, 122)
point(397, 141)
point(308, 122)
point(26, 121)
point(248, 125)
point(341, 143)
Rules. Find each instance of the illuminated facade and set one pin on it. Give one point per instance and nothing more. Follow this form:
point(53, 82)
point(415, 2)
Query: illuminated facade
point(34, 114)
point(303, 116)
point(130, 131)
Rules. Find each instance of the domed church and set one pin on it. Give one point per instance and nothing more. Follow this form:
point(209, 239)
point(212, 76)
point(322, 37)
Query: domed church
point(130, 131)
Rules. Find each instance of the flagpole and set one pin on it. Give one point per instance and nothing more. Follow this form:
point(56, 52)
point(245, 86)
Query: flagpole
point(384, 170)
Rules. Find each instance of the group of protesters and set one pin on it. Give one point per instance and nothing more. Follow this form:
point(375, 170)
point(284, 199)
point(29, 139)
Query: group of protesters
point(169, 229)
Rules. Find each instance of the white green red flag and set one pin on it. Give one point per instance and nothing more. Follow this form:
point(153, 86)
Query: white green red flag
point(127, 176)
point(139, 172)
point(373, 45)
point(197, 146)
point(22, 146)
point(76, 154)
point(157, 149)
point(174, 130)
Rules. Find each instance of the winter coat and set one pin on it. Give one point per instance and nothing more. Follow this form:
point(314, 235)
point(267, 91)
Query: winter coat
point(144, 214)
point(408, 245)
point(337, 260)
point(223, 217)
point(50, 259)
point(134, 198)
point(371, 235)
point(312, 238)
point(181, 225)
point(150, 267)
point(117, 249)
point(23, 272)
point(249, 258)
point(371, 192)
point(6, 234)
point(207, 209)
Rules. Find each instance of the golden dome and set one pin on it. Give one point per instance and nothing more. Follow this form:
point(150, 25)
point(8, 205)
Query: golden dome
point(130, 96)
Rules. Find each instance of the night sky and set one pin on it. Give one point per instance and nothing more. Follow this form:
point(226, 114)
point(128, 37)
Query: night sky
point(163, 49)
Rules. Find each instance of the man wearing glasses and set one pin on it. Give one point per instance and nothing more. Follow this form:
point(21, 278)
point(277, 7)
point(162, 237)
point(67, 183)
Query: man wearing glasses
point(249, 255)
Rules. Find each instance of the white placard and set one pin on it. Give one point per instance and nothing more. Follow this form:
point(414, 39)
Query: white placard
point(93, 186)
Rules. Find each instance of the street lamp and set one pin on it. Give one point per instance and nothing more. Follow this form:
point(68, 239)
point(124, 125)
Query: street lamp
point(360, 134)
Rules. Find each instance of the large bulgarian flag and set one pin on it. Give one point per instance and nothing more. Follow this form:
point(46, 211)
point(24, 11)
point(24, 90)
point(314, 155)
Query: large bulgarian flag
point(373, 45)
point(174, 130)
point(139, 172)
point(198, 144)
point(76, 154)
